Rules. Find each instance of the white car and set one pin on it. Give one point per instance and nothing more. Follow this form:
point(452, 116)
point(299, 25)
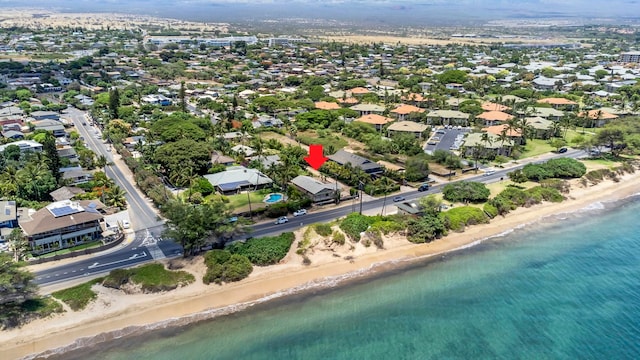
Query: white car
point(126, 224)
point(282, 220)
point(300, 212)
point(489, 172)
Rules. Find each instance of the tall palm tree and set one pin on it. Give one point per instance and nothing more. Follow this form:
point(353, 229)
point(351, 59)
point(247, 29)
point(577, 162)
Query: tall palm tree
point(8, 182)
point(101, 162)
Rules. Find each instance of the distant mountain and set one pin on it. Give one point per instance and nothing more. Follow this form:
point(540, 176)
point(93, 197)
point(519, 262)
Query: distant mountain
point(407, 12)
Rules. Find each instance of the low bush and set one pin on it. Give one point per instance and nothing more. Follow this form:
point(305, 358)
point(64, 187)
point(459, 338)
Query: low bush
point(266, 250)
point(338, 238)
point(223, 266)
point(277, 210)
point(354, 224)
point(426, 229)
point(323, 229)
point(459, 217)
point(546, 193)
point(490, 210)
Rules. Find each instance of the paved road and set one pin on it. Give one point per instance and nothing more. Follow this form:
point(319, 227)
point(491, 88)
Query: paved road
point(142, 214)
point(148, 244)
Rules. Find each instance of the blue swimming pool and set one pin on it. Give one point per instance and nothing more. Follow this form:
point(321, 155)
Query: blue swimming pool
point(273, 198)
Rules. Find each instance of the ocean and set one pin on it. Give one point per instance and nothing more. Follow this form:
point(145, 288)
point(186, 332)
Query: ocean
point(567, 287)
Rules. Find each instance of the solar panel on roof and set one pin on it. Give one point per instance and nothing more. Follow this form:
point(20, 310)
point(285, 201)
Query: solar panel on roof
point(63, 211)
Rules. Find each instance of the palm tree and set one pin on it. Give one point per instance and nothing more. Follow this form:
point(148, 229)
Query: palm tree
point(101, 162)
point(115, 196)
point(8, 182)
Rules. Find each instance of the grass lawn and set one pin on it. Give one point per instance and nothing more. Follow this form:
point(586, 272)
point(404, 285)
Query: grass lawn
point(78, 297)
point(593, 164)
point(241, 200)
point(536, 147)
point(333, 140)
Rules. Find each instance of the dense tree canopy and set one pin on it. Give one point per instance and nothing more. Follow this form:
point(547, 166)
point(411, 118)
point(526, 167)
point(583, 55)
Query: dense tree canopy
point(465, 191)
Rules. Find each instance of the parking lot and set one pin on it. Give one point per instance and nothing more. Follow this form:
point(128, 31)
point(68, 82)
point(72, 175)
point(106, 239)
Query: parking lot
point(446, 139)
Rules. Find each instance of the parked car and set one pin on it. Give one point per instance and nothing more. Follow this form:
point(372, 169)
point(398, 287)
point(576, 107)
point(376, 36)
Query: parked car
point(562, 150)
point(398, 198)
point(300, 212)
point(233, 219)
point(423, 187)
point(282, 220)
point(126, 224)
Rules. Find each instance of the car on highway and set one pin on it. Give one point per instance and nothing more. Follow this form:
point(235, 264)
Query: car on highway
point(562, 150)
point(423, 187)
point(281, 220)
point(398, 198)
point(300, 212)
point(489, 172)
point(233, 219)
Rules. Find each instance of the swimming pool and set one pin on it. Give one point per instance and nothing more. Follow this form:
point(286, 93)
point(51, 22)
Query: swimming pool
point(273, 198)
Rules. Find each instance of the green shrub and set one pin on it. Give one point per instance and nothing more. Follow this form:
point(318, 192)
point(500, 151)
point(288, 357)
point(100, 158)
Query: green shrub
point(547, 193)
point(79, 296)
point(425, 229)
point(266, 250)
point(388, 226)
point(215, 256)
point(490, 210)
point(338, 238)
point(323, 229)
point(277, 210)
point(223, 266)
point(236, 268)
point(214, 273)
point(459, 217)
point(354, 224)
point(116, 278)
point(465, 191)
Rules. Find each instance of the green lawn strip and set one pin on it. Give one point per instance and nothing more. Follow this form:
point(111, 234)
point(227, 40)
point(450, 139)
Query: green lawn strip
point(80, 247)
point(17, 314)
point(79, 296)
point(536, 147)
point(155, 278)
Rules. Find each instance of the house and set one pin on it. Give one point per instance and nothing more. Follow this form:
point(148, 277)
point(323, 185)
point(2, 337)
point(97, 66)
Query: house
point(13, 135)
point(156, 99)
point(63, 224)
point(410, 127)
point(543, 83)
point(559, 103)
point(490, 106)
point(316, 190)
point(365, 109)
point(515, 135)
point(543, 128)
point(238, 178)
point(492, 147)
point(243, 149)
point(402, 111)
point(325, 105)
point(217, 158)
point(409, 208)
point(343, 157)
point(45, 115)
point(448, 117)
point(68, 153)
point(53, 126)
point(8, 218)
point(494, 117)
point(378, 121)
point(598, 117)
point(548, 113)
point(358, 91)
point(65, 193)
point(24, 145)
point(76, 175)
point(268, 161)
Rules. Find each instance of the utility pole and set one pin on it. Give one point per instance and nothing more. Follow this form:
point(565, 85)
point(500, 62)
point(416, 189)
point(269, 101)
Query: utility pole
point(360, 186)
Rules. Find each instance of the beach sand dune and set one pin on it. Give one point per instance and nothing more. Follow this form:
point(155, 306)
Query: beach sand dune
point(114, 310)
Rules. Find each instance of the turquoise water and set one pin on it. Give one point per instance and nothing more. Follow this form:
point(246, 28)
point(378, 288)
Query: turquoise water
point(570, 290)
point(273, 198)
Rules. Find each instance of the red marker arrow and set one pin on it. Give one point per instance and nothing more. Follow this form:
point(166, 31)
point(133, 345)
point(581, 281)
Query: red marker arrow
point(316, 156)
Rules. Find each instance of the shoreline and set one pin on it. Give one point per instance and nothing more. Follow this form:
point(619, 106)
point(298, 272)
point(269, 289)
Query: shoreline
point(103, 321)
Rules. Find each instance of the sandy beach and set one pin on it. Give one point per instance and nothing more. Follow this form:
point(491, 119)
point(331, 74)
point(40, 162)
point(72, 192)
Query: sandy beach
point(113, 311)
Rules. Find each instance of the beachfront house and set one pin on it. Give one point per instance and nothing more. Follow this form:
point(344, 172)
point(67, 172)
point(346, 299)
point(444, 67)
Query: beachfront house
point(316, 190)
